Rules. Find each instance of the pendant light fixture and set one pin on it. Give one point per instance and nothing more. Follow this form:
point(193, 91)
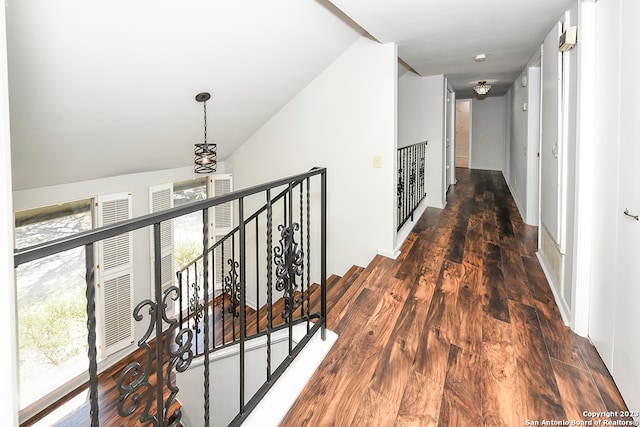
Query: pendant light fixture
point(205, 160)
point(482, 88)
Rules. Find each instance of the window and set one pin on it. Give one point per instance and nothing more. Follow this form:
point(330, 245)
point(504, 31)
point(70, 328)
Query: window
point(188, 228)
point(52, 330)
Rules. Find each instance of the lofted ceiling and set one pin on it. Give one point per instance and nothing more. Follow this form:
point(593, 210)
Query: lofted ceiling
point(106, 87)
point(444, 36)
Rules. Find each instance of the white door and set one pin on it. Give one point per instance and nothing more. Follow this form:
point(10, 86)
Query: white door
point(449, 145)
point(626, 339)
point(550, 138)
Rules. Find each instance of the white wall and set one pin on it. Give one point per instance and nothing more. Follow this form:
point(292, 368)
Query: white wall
point(9, 405)
point(557, 253)
point(523, 140)
point(341, 120)
point(138, 185)
point(413, 109)
point(604, 190)
point(517, 146)
point(488, 133)
point(532, 215)
point(435, 162)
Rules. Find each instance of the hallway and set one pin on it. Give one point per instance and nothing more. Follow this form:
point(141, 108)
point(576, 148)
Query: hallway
point(460, 330)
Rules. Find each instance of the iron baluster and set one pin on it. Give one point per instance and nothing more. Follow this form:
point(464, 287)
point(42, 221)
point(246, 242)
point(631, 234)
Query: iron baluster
point(243, 302)
point(157, 265)
point(308, 254)
point(323, 253)
point(257, 279)
point(302, 278)
point(269, 282)
point(91, 337)
point(222, 297)
point(205, 275)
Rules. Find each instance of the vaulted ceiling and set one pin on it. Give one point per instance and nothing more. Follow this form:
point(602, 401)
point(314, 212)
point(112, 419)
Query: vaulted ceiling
point(444, 36)
point(101, 88)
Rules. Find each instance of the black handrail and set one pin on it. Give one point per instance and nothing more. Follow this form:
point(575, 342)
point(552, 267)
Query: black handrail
point(235, 230)
point(411, 180)
point(179, 358)
point(31, 253)
point(193, 309)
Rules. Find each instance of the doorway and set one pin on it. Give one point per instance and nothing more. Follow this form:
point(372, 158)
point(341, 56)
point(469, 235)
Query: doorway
point(463, 134)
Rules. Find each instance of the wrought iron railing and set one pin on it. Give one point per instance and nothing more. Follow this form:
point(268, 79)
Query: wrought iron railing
point(283, 274)
point(224, 296)
point(411, 180)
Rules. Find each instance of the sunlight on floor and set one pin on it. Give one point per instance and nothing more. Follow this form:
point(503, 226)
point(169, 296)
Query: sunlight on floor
point(63, 411)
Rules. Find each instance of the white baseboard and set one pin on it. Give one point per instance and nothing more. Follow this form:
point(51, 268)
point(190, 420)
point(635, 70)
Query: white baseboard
point(274, 406)
point(564, 310)
point(389, 254)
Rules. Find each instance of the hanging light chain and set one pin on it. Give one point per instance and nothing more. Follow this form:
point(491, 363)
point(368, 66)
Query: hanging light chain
point(205, 121)
point(205, 153)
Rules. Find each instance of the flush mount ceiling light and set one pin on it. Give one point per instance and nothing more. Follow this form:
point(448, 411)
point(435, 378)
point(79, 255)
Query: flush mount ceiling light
point(482, 88)
point(480, 58)
point(205, 156)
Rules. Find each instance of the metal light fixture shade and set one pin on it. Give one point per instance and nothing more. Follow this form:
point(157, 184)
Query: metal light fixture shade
point(205, 155)
point(482, 88)
point(205, 160)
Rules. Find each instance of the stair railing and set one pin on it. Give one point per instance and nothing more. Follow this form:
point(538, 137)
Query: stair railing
point(286, 262)
point(411, 180)
point(225, 300)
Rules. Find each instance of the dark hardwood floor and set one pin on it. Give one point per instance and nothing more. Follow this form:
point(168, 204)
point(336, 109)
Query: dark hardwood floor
point(460, 330)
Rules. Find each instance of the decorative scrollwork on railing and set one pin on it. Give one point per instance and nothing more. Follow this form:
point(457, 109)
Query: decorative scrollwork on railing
point(138, 390)
point(133, 383)
point(179, 354)
point(412, 175)
point(196, 307)
point(400, 187)
point(289, 264)
point(232, 287)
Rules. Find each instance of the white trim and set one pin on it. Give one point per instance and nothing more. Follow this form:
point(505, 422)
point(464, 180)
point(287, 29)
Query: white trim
point(281, 397)
point(583, 221)
point(389, 254)
point(564, 310)
point(407, 227)
point(9, 406)
point(277, 402)
point(515, 197)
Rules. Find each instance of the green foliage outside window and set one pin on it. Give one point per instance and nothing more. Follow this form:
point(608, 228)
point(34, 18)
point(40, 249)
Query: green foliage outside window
point(54, 329)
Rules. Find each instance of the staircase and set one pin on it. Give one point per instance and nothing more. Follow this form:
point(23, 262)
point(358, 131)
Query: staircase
point(272, 248)
point(340, 293)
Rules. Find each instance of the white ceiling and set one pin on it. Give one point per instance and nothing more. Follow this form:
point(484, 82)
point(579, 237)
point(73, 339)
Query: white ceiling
point(444, 36)
point(106, 87)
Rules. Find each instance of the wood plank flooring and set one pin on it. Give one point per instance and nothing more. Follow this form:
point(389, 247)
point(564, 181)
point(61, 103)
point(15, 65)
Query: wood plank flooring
point(460, 330)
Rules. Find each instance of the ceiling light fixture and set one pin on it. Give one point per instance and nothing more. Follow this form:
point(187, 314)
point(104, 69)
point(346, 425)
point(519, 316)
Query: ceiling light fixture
point(482, 88)
point(481, 57)
point(205, 160)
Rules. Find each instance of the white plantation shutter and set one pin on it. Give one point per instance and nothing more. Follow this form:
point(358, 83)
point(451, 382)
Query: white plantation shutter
point(161, 198)
point(114, 276)
point(221, 224)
